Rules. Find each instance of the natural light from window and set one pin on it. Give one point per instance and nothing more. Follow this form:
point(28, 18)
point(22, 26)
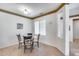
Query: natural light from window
point(40, 27)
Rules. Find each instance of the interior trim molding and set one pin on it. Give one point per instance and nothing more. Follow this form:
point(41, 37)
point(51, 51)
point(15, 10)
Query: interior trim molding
point(75, 19)
point(77, 15)
point(8, 45)
point(13, 13)
point(50, 12)
point(52, 46)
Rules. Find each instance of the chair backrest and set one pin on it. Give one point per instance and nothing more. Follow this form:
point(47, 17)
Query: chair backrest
point(19, 37)
point(38, 37)
point(29, 34)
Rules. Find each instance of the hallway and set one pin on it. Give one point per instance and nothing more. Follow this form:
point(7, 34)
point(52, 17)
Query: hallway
point(74, 48)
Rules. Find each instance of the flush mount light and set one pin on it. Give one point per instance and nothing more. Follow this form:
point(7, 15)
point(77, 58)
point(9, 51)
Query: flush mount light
point(25, 10)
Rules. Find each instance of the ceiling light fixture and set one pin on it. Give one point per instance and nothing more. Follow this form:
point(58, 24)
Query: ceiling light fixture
point(25, 10)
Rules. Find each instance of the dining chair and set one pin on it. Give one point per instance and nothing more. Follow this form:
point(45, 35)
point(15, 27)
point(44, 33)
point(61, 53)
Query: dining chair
point(28, 43)
point(19, 40)
point(30, 34)
point(36, 39)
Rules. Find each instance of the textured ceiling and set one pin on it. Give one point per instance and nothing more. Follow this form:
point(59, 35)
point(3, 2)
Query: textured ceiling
point(35, 9)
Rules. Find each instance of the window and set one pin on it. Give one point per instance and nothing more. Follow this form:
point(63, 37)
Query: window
point(40, 27)
point(43, 27)
point(36, 27)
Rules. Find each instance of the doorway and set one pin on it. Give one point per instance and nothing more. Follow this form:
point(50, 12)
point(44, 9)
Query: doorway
point(74, 42)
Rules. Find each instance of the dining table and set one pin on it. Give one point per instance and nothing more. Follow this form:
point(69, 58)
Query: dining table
point(27, 38)
point(28, 41)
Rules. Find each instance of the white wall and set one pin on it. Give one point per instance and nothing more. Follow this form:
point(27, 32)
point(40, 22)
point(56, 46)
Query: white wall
point(71, 30)
point(74, 11)
point(60, 25)
point(8, 28)
point(51, 37)
point(76, 29)
point(60, 14)
point(64, 31)
point(66, 28)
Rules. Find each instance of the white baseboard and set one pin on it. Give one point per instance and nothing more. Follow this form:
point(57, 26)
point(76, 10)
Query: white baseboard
point(52, 45)
point(14, 43)
point(7, 45)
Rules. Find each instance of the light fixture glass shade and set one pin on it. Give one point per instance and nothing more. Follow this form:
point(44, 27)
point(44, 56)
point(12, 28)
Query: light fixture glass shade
point(25, 10)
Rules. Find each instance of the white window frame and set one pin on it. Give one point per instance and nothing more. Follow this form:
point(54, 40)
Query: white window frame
point(40, 32)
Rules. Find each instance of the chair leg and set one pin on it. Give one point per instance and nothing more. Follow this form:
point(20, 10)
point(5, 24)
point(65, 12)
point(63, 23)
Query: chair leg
point(19, 46)
point(38, 44)
point(24, 48)
point(31, 47)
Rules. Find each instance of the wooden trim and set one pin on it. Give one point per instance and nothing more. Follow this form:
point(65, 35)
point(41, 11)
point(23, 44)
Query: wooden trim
point(75, 19)
point(72, 16)
point(51, 12)
point(77, 15)
point(9, 12)
point(62, 5)
point(48, 13)
point(44, 14)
